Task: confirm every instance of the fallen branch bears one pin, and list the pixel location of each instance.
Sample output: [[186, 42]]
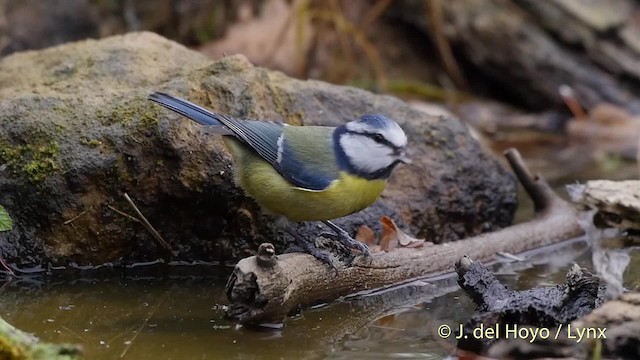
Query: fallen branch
[[260, 293]]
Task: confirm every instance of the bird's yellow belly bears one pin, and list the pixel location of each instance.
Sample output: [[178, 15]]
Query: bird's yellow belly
[[344, 196]]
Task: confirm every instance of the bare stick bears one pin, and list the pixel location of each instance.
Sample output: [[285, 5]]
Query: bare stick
[[130, 217], [75, 217], [148, 225]]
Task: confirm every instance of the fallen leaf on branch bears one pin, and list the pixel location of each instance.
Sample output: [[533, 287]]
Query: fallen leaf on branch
[[392, 237], [389, 238], [366, 236]]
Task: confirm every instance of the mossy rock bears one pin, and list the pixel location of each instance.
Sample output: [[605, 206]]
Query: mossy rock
[[77, 133]]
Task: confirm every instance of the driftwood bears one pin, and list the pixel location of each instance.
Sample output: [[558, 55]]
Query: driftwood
[[611, 331], [616, 208], [617, 203], [269, 293], [501, 311]]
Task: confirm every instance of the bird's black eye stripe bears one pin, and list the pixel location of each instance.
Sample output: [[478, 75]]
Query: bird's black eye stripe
[[379, 138]]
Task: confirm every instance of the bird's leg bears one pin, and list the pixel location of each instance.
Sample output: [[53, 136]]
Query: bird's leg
[[345, 239], [309, 247]]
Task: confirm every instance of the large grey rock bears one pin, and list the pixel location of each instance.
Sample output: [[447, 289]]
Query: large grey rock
[[76, 133]]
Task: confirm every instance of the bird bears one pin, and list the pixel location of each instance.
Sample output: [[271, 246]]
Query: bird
[[306, 173]]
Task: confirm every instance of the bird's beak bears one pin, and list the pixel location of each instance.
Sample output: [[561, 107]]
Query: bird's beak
[[403, 158]]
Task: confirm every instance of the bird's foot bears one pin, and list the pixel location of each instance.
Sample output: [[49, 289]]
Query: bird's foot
[[310, 248], [318, 254], [345, 239], [348, 242]]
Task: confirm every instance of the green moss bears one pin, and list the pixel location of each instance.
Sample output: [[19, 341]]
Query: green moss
[[149, 118], [137, 110], [90, 142], [15, 344], [89, 62], [122, 114], [100, 115], [121, 168], [34, 162], [435, 138], [65, 111]]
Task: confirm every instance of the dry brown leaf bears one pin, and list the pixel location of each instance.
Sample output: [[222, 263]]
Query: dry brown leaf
[[389, 238], [392, 236], [366, 236]]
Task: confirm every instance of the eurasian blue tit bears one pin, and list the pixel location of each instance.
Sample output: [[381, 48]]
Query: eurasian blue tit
[[307, 173]]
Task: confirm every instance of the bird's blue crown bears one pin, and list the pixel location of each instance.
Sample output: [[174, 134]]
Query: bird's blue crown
[[376, 121]]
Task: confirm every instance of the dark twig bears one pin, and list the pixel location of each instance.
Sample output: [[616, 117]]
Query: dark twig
[[148, 225], [540, 192]]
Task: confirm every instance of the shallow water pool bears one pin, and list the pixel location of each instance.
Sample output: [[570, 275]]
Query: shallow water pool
[[177, 313]]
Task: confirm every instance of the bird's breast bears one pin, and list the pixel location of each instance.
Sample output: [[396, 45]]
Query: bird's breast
[[345, 195]]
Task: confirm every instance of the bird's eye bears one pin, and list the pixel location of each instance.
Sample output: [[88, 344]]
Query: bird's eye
[[378, 137]]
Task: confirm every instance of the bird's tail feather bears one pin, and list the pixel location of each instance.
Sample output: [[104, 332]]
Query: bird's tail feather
[[185, 108]]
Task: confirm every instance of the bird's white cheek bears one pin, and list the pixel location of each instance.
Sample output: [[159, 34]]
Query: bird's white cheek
[[366, 154]]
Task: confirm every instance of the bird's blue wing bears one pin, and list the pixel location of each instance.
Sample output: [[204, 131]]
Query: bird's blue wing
[[296, 161], [301, 155], [306, 156], [261, 136]]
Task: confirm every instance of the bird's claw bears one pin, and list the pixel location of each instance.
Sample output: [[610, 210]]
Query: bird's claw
[[347, 241], [322, 256], [306, 246]]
